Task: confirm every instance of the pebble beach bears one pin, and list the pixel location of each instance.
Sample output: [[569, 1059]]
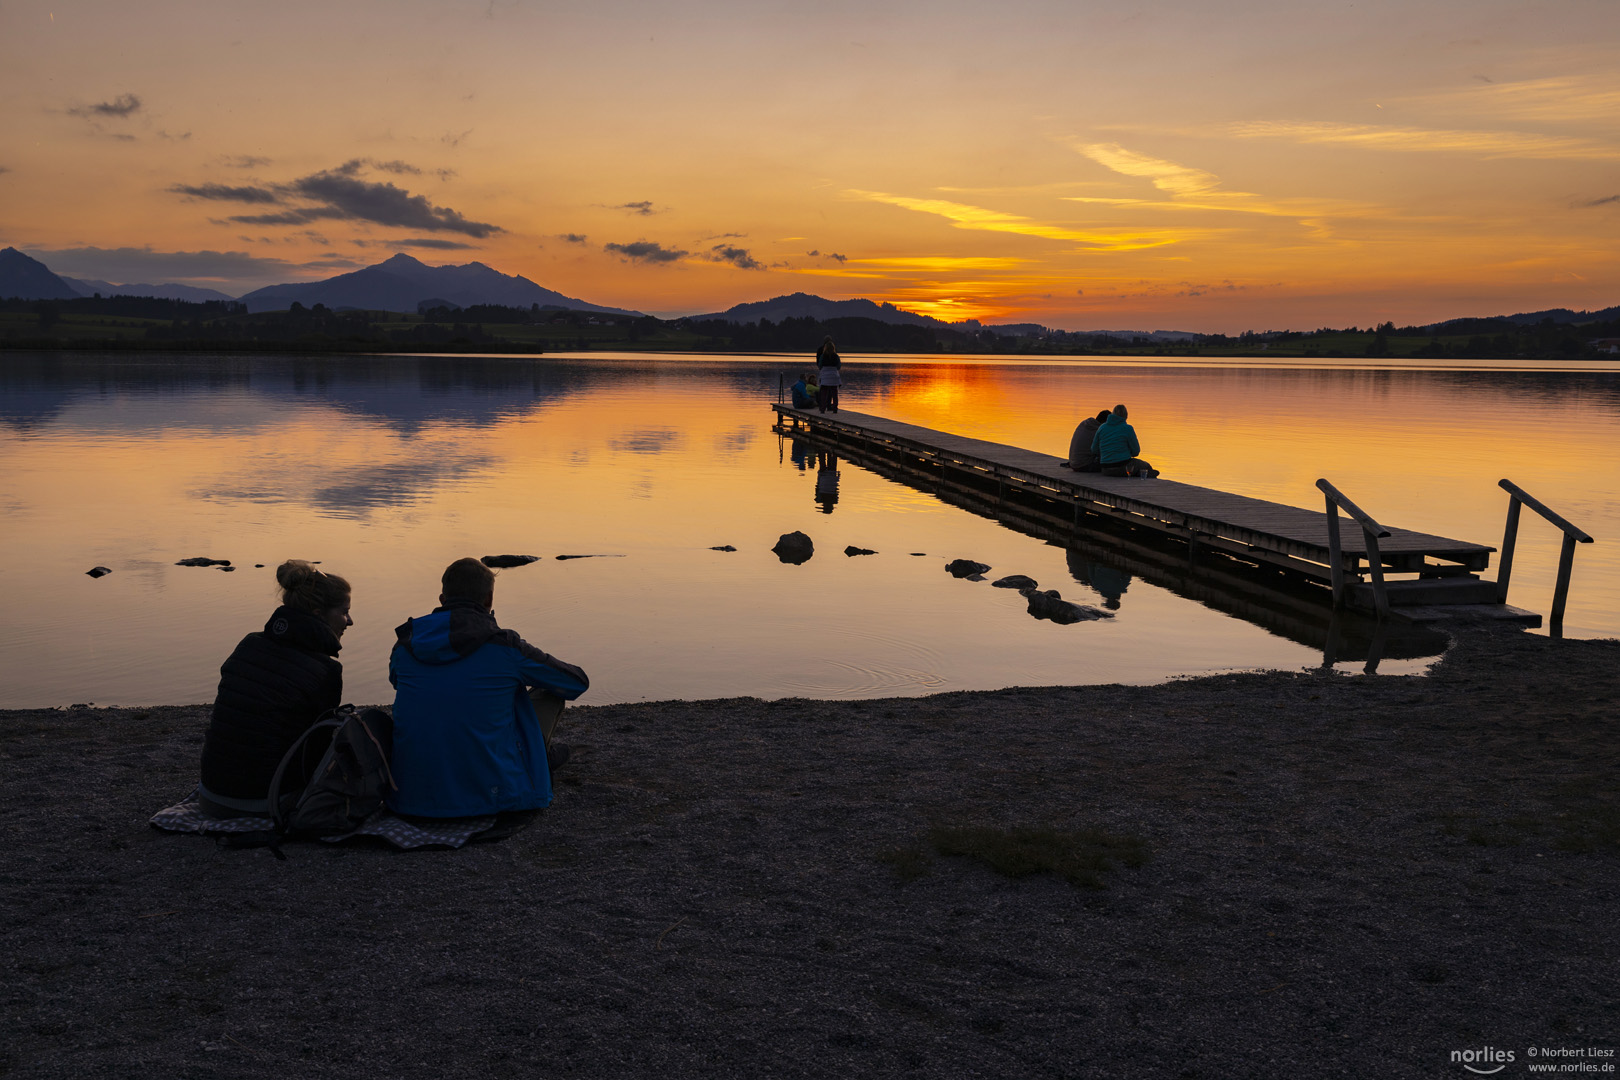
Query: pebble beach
[[1292, 874]]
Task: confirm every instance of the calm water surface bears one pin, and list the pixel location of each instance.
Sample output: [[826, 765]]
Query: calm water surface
[[386, 469]]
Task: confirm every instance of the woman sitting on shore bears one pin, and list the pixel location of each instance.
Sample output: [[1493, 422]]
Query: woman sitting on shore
[[272, 688]]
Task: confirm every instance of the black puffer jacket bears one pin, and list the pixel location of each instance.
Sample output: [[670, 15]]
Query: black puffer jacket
[[271, 689]]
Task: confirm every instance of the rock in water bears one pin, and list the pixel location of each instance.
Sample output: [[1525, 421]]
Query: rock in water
[[852, 551], [1051, 605], [1016, 581], [723, 547], [198, 560], [795, 548], [497, 562], [962, 568], [98, 571]]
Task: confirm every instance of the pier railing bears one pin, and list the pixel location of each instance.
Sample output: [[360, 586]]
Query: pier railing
[[1369, 529], [1517, 497]]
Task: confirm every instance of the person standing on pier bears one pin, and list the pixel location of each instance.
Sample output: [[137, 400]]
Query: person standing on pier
[[1116, 448], [831, 375]]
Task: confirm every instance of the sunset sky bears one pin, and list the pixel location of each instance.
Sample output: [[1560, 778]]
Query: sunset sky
[[1176, 165]]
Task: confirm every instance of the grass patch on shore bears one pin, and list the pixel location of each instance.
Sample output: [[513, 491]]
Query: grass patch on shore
[[1079, 856]]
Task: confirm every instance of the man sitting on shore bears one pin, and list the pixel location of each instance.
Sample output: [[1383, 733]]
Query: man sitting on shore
[[1116, 448], [474, 707]]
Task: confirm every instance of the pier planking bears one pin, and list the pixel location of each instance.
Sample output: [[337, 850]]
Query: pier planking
[[1288, 536]]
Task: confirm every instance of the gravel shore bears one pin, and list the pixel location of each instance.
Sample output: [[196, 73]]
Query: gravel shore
[[1344, 876]]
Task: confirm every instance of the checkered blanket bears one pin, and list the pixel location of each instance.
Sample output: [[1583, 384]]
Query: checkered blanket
[[186, 816]]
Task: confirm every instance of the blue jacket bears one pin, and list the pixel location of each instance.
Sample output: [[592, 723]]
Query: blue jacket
[[802, 398], [1115, 441], [466, 737]]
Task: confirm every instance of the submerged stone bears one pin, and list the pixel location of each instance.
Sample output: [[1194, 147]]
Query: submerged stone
[[98, 571], [497, 562], [852, 551], [1050, 605], [1016, 581], [200, 560], [965, 568], [794, 547]]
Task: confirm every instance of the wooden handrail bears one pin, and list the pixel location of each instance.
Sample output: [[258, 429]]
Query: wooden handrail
[[1535, 504], [1370, 531], [1361, 516], [1566, 557]]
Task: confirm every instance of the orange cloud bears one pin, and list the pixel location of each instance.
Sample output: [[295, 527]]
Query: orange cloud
[[974, 217], [1490, 144]]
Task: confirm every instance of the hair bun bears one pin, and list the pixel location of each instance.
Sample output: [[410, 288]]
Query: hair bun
[[293, 574]]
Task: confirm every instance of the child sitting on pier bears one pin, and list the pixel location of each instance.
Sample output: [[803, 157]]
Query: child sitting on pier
[[804, 392]]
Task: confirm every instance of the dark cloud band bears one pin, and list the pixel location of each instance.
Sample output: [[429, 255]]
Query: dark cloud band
[[646, 251], [119, 107], [342, 194]]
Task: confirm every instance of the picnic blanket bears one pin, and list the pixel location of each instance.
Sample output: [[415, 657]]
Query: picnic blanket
[[407, 834]]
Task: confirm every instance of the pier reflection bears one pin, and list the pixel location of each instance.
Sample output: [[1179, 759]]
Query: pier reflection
[[826, 481], [1107, 581], [1107, 557]]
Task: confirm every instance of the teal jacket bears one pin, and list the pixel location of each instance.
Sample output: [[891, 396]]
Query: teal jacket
[[1115, 441], [466, 737]]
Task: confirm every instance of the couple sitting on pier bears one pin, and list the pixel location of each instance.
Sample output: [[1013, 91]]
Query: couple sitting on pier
[[1106, 444], [474, 704]]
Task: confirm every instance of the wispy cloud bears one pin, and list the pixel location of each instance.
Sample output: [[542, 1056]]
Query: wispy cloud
[[226, 193], [640, 209], [572, 237], [119, 108], [939, 263], [964, 216], [430, 242], [1167, 176], [1190, 189], [1565, 99], [145, 264], [245, 161], [646, 251], [1605, 201], [1489, 144]]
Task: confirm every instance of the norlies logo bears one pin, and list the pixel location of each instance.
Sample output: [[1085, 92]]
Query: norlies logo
[[279, 626], [1487, 1056]]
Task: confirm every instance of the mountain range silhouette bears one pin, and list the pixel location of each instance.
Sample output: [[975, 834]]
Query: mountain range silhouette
[[401, 283]]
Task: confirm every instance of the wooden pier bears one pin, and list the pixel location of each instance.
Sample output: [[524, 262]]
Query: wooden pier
[[1426, 578]]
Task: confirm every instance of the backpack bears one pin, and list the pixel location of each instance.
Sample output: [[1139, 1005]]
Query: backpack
[[347, 783]]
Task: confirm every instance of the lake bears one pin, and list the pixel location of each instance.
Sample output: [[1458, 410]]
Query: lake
[[387, 468]]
